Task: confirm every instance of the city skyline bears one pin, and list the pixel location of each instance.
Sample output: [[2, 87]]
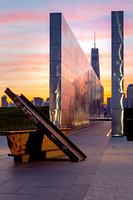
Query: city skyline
[[24, 41], [35, 100]]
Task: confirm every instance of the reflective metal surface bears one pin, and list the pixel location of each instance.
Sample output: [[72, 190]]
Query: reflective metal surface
[[117, 73], [76, 94]]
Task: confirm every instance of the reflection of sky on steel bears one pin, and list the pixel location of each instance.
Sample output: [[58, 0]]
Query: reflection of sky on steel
[[122, 112], [120, 34], [121, 84], [121, 66], [119, 29], [57, 116], [122, 123], [118, 22], [119, 52]]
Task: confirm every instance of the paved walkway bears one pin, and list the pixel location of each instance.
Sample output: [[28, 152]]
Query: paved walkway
[[114, 176], [106, 174]]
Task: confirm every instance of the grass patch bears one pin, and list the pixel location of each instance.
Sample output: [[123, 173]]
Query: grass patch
[[12, 119]]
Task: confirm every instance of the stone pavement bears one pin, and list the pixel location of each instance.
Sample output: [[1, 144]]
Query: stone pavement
[[114, 176], [105, 174]]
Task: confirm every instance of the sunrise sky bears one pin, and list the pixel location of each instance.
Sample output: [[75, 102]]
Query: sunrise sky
[[24, 40]]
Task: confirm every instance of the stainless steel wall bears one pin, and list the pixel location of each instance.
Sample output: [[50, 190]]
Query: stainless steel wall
[[76, 94], [117, 73]]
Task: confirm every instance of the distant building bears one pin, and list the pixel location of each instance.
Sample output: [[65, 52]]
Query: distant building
[[37, 101], [109, 102], [95, 59], [46, 103], [12, 104], [125, 103], [105, 109], [4, 102], [130, 96]]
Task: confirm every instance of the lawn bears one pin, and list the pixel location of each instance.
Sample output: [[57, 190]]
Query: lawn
[[12, 119]]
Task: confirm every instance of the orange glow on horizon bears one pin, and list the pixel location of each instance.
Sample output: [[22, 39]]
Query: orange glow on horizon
[[24, 42], [29, 94]]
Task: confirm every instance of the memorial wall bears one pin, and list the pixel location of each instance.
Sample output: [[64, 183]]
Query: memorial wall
[[76, 94], [117, 27]]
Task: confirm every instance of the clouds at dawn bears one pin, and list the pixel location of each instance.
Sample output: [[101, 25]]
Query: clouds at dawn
[[24, 40]]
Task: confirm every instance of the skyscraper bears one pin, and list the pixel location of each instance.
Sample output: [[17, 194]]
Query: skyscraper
[[130, 96], [117, 73], [4, 102], [95, 59], [37, 101], [109, 100]]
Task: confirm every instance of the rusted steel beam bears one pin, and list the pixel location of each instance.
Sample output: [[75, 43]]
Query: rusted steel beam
[[45, 126]]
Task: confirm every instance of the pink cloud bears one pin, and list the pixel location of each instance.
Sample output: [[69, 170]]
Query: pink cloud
[[32, 37], [128, 28], [105, 56], [23, 77], [93, 12], [128, 54], [23, 45], [35, 56], [25, 63], [100, 35], [28, 41], [23, 67], [23, 16], [28, 57], [96, 17]]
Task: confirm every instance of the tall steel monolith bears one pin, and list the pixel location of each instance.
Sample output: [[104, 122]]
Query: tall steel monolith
[[117, 72]]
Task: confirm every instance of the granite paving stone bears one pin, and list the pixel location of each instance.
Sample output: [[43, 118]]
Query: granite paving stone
[[17, 197], [113, 179], [76, 192], [42, 190], [48, 196]]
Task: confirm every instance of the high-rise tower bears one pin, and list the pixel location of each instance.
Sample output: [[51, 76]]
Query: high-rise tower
[[4, 102], [95, 58], [130, 96]]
